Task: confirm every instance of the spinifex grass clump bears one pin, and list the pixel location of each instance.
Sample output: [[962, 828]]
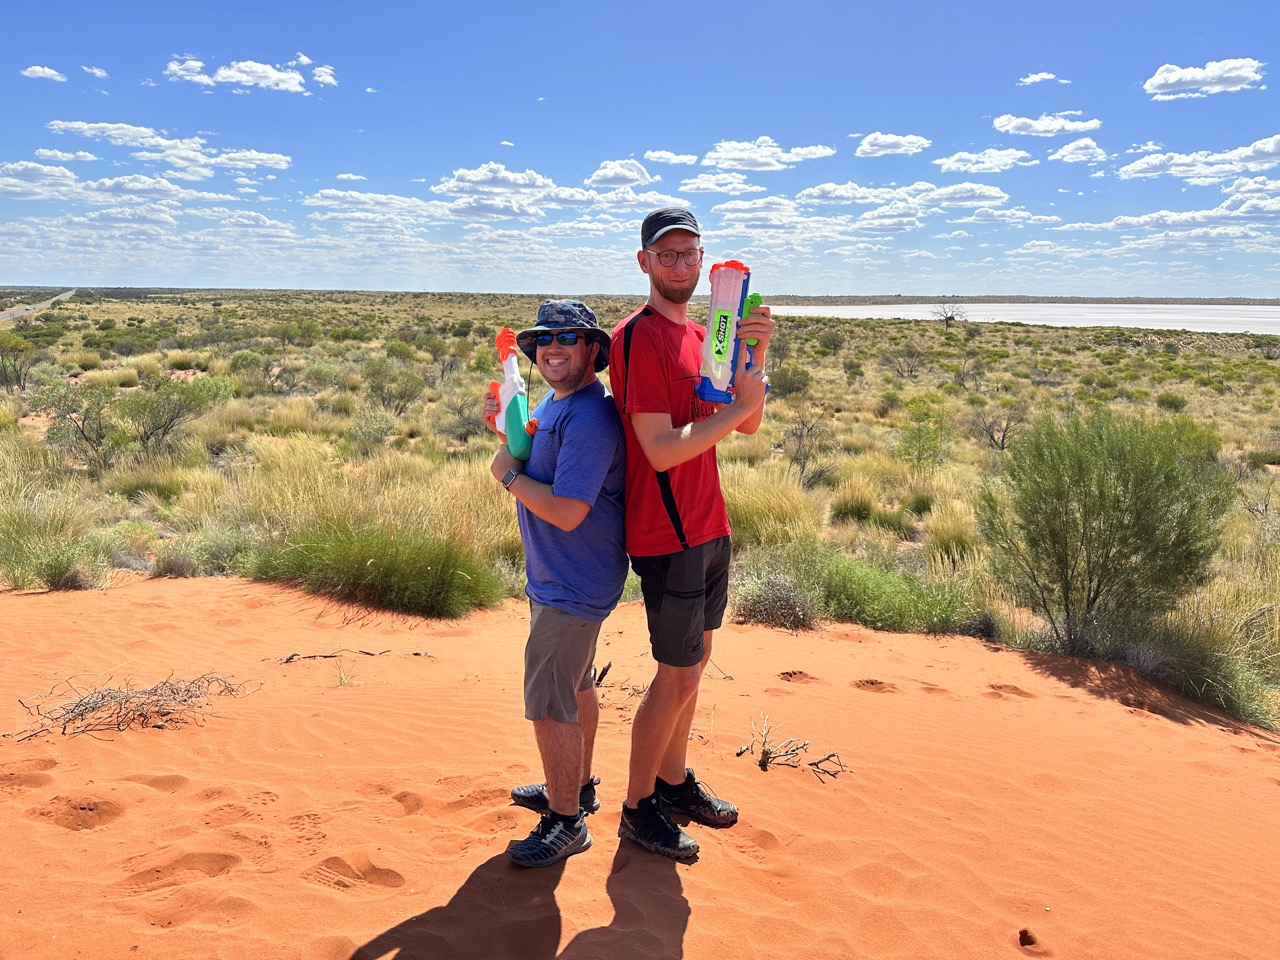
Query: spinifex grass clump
[[402, 570], [795, 585]]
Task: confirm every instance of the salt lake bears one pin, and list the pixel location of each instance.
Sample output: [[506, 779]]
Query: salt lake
[[1209, 318]]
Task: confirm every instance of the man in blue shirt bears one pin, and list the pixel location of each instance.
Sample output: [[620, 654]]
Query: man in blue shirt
[[571, 521]]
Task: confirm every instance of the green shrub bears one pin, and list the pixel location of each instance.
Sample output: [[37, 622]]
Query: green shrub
[[895, 521], [393, 569], [790, 380], [1101, 516]]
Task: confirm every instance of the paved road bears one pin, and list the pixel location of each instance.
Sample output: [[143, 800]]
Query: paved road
[[34, 307]]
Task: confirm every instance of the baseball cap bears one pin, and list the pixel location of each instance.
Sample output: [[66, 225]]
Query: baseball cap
[[665, 220]]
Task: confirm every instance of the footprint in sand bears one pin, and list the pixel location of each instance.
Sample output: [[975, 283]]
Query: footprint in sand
[[202, 906], [77, 813], [305, 834], [229, 813], [353, 873], [188, 868], [875, 686], [1003, 691], [797, 676], [25, 774], [936, 691], [165, 783]]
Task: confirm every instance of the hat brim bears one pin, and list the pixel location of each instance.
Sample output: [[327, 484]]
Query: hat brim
[[525, 341]]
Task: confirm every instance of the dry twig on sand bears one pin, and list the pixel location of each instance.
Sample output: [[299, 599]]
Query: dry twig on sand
[[787, 753], [168, 703]]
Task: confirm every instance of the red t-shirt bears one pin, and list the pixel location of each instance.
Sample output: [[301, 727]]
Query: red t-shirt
[[657, 374]]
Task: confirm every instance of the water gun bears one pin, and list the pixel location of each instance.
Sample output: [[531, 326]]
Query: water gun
[[730, 302], [513, 399]]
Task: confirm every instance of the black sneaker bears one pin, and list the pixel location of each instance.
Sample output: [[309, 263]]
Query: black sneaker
[[691, 799], [534, 796], [552, 840], [651, 827]]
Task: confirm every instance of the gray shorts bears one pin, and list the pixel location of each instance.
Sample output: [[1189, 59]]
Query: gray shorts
[[559, 661], [685, 594]]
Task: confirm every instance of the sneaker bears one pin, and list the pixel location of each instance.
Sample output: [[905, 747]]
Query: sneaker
[[552, 840], [534, 796], [651, 827], [691, 799]]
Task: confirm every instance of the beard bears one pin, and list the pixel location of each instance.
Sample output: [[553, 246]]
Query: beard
[[673, 293]]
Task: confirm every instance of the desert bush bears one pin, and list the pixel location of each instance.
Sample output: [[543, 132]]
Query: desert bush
[[84, 359], [17, 358], [370, 427], [47, 539], [895, 521], [951, 532], [1174, 402], [776, 599], [790, 380], [854, 500], [766, 504], [1100, 516]]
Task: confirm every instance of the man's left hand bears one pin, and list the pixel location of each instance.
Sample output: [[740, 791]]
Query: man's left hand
[[758, 324]]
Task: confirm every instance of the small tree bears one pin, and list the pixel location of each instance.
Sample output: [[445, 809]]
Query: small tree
[[948, 313], [1104, 520], [17, 356]]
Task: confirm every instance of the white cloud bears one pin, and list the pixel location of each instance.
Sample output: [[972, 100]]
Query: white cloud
[[1016, 215], [730, 183], [763, 153], [1253, 185], [370, 90], [189, 158], [240, 73], [324, 76], [491, 178], [1204, 166], [1149, 147], [302, 59], [95, 72], [1048, 124], [896, 217], [1172, 82], [1083, 150], [881, 144], [990, 160], [351, 176], [63, 156], [505, 143], [1039, 78], [666, 156], [963, 195], [43, 73], [620, 173]]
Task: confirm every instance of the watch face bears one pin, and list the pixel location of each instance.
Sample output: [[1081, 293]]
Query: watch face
[[509, 477]]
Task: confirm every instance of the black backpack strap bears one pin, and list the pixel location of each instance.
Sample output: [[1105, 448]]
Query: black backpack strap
[[664, 478]]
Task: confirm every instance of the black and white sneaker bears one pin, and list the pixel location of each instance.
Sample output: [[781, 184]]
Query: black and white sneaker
[[651, 827], [551, 841], [534, 796], [692, 799]]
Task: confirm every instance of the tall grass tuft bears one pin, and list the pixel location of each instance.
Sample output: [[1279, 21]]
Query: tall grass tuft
[[408, 571], [46, 539], [767, 504]]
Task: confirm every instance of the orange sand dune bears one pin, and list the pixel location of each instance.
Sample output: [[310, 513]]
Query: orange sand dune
[[356, 807]]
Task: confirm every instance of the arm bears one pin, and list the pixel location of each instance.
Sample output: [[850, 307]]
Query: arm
[[564, 512], [666, 446]]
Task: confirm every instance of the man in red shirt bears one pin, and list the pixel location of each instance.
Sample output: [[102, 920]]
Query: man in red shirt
[[677, 528]]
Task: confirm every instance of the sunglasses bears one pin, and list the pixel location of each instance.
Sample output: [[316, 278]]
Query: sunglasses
[[564, 339]]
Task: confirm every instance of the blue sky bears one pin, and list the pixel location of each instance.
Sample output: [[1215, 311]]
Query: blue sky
[[1125, 148]]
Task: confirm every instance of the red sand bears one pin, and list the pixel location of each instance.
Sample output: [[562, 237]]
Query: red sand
[[986, 792]]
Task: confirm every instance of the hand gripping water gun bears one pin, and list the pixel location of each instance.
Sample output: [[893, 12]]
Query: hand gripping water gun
[[729, 304], [513, 399]]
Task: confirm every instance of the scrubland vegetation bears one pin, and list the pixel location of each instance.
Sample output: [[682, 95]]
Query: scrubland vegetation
[[1092, 491]]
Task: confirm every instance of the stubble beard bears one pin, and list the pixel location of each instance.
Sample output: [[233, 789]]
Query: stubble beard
[[673, 294]]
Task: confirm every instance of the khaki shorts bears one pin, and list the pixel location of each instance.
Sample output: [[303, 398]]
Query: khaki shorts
[[559, 661]]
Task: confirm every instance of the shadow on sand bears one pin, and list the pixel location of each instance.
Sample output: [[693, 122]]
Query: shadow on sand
[[502, 912]]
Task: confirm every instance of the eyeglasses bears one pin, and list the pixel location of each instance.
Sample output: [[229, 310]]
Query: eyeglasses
[[564, 339], [668, 258]]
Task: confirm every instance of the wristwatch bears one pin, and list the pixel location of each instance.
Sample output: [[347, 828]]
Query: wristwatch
[[509, 477]]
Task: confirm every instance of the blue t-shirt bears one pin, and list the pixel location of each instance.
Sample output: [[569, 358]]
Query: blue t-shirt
[[579, 450]]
